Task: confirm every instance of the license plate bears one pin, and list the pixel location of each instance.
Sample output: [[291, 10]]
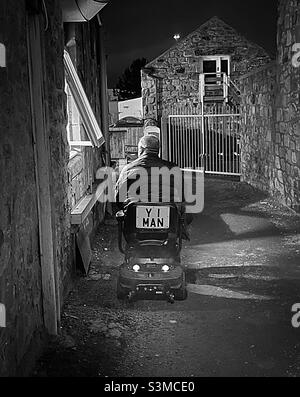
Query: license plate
[[152, 217], [151, 266]]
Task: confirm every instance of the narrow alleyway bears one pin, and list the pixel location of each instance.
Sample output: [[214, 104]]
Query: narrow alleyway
[[243, 270]]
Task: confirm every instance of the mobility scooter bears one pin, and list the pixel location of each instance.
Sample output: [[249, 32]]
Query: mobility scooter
[[153, 242]]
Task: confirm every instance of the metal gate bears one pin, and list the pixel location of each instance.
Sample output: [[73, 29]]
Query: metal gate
[[207, 137]]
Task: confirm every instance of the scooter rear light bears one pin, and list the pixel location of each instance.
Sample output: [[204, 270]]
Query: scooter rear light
[[136, 268]]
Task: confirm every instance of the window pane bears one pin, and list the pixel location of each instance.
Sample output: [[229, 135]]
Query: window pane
[[224, 66], [210, 66]]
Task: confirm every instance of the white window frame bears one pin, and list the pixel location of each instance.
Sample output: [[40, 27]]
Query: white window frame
[[89, 121], [76, 143], [217, 58]]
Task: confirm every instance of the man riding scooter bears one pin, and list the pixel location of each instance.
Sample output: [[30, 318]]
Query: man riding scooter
[[152, 254], [148, 159]]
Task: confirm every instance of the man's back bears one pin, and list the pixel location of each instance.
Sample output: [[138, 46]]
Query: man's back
[[150, 179], [158, 181], [149, 160]]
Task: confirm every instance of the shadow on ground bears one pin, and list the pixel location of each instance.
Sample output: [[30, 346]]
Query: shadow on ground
[[244, 247]]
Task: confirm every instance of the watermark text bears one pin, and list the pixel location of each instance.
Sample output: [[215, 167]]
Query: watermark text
[[296, 55], [296, 316], [153, 185], [2, 316]]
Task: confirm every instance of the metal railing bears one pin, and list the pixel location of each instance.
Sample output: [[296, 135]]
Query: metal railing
[[208, 139], [216, 86]]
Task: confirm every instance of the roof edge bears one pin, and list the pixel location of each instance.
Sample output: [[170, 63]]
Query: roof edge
[[216, 18]]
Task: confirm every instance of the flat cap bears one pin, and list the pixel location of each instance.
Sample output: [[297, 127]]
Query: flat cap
[[150, 143], [152, 130]]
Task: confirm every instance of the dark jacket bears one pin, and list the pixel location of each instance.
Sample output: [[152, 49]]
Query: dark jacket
[[149, 162]]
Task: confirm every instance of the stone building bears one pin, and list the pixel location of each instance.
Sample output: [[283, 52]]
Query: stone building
[[215, 52], [52, 131], [271, 126]]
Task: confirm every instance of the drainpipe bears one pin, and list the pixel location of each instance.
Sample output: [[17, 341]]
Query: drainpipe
[[158, 81], [103, 93]]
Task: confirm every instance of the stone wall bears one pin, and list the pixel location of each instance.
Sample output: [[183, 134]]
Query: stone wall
[[20, 274], [20, 268], [88, 68], [271, 117], [288, 105], [72, 179], [53, 45], [177, 70], [84, 52], [258, 133]]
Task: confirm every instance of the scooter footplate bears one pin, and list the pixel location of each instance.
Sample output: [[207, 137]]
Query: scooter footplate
[[157, 289]]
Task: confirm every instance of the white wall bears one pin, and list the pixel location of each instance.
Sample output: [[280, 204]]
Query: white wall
[[131, 107]]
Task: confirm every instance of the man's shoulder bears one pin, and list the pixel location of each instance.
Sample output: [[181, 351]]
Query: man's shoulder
[[168, 164], [149, 163]]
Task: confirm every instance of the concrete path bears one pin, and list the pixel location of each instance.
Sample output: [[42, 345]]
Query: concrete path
[[243, 272]]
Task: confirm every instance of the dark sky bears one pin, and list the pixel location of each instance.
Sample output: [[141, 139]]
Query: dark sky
[[145, 28]]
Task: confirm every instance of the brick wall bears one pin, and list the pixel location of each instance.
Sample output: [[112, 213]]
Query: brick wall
[[178, 68], [271, 117]]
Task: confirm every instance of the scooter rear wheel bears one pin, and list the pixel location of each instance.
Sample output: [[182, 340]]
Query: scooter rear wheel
[[121, 292], [181, 294]]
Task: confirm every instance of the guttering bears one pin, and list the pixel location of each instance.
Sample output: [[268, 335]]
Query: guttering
[[104, 93], [81, 10]]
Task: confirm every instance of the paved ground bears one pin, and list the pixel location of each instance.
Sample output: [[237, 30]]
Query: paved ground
[[243, 270]]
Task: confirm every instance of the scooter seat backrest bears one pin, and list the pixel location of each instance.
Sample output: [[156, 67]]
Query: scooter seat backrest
[[148, 221]]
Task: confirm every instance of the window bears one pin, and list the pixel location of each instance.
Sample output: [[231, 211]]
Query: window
[[75, 125], [216, 64], [225, 66], [209, 66], [83, 128], [77, 136]]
